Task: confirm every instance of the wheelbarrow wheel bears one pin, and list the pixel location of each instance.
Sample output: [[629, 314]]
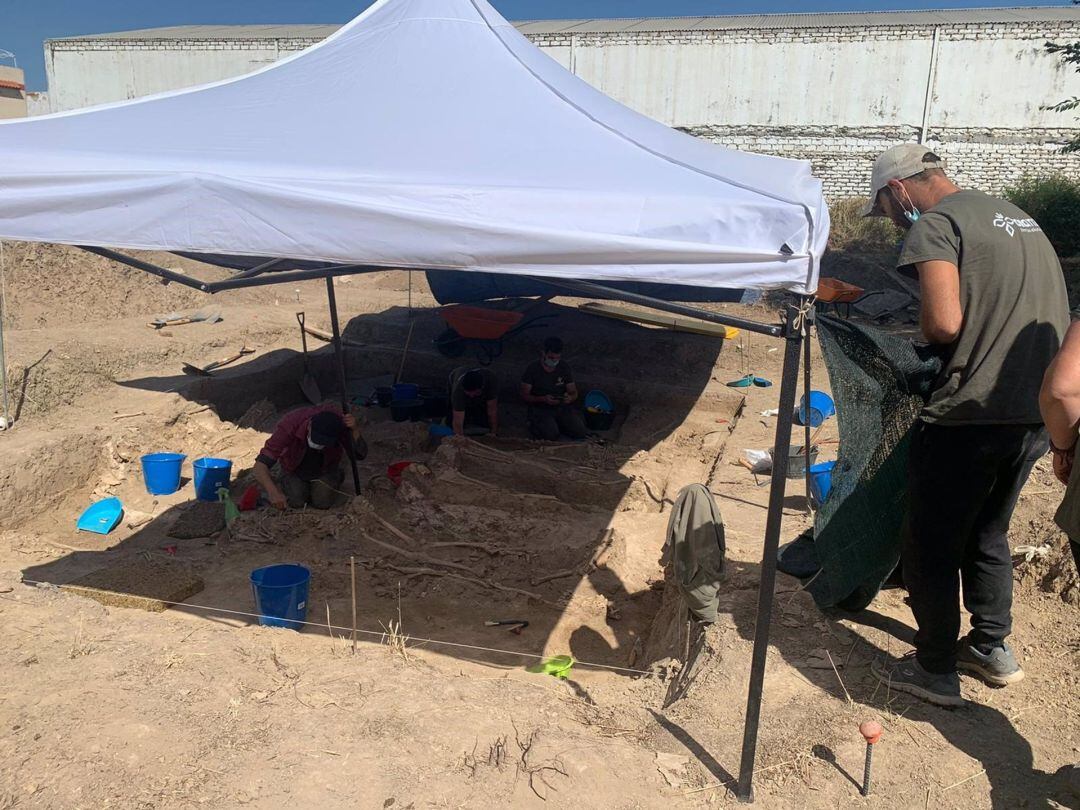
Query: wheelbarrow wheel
[[449, 343]]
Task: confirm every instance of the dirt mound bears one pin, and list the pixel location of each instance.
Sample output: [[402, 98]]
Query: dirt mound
[[1049, 567], [55, 285]]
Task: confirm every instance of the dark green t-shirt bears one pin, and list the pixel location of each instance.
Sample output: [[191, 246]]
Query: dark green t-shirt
[[1013, 297], [460, 401], [547, 383]]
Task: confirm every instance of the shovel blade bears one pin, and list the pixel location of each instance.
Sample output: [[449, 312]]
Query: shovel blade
[[310, 389]]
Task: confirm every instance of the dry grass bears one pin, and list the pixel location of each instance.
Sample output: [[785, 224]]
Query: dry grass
[[852, 232]]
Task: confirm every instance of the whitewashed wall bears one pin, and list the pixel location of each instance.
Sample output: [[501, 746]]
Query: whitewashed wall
[[835, 96]]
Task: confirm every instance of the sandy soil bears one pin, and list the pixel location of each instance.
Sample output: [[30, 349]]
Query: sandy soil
[[113, 706]]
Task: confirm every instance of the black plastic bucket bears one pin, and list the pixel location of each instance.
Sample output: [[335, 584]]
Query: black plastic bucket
[[797, 461], [599, 420], [384, 394], [403, 410], [435, 401]]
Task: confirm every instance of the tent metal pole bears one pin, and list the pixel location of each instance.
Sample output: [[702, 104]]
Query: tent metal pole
[[286, 277], [808, 322], [248, 278], [259, 269], [164, 274], [339, 356], [601, 291], [781, 449]]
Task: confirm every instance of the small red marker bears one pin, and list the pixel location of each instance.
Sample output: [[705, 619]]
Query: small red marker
[[871, 731]]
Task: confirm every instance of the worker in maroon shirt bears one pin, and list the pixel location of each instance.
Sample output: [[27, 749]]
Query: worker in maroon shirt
[[308, 443]]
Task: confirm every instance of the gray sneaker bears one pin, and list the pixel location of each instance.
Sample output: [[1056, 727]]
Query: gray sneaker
[[907, 675], [998, 667]]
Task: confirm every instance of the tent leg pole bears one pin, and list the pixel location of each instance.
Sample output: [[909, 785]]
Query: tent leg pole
[[3, 356], [806, 395], [339, 357], [781, 449]]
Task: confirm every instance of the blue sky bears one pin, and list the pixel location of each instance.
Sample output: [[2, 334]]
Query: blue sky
[[26, 24]]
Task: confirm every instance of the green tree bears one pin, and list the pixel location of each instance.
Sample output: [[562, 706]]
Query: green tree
[[1069, 53]]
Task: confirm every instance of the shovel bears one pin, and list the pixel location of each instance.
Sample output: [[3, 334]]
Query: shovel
[[176, 319], [308, 385], [204, 371]]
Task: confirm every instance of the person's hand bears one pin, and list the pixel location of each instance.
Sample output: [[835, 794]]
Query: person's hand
[[1063, 464], [550, 400], [350, 421], [277, 499]]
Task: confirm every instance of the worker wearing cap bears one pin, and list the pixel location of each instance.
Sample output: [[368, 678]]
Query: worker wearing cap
[[994, 301], [308, 444]]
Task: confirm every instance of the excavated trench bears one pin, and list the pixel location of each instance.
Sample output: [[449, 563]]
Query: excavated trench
[[565, 536]]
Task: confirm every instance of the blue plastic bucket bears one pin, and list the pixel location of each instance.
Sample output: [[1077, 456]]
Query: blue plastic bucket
[[161, 472], [405, 391], [281, 593], [211, 473], [821, 408], [821, 481]]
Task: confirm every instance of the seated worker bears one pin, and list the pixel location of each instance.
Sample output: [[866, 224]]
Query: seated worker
[[474, 401], [308, 443], [548, 387]]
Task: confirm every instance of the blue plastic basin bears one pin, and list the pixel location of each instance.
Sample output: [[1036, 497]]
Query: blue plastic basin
[[403, 391], [281, 593], [821, 408]]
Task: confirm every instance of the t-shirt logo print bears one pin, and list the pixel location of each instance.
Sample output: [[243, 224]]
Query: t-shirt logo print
[[1010, 225]]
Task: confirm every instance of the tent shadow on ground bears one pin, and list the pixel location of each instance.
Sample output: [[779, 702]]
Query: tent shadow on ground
[[982, 732], [656, 377]]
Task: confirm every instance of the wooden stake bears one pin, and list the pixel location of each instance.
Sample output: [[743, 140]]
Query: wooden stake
[[352, 566]]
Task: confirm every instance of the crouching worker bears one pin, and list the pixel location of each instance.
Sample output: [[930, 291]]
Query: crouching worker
[[474, 401], [549, 389], [308, 444]]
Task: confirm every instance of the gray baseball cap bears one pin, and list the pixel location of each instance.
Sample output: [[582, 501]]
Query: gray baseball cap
[[898, 163]]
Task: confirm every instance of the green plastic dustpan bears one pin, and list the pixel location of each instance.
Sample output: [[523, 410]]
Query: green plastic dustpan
[[558, 667]]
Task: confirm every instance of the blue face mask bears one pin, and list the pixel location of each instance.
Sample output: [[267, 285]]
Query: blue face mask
[[912, 216]]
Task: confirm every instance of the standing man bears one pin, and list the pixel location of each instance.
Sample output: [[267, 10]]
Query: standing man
[[308, 443], [994, 301], [548, 387], [1060, 401], [474, 401]]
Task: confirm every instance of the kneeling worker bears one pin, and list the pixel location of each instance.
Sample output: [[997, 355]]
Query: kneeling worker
[[474, 401], [549, 389], [308, 444]]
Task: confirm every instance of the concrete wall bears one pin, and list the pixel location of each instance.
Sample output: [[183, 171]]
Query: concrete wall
[[835, 96], [37, 104], [12, 93]]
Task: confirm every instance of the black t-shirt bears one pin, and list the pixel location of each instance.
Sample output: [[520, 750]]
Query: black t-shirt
[[489, 390], [547, 383]]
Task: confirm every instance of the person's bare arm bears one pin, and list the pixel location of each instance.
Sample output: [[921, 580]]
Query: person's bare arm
[[266, 481], [457, 422], [941, 317], [1059, 401], [493, 415]]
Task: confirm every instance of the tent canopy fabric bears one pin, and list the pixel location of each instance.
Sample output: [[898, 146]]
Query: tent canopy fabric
[[423, 134]]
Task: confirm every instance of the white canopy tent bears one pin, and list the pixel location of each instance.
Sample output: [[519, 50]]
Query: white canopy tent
[[423, 134], [429, 134]]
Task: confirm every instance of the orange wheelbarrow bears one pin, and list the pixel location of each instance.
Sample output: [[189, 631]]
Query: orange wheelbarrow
[[482, 330]]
